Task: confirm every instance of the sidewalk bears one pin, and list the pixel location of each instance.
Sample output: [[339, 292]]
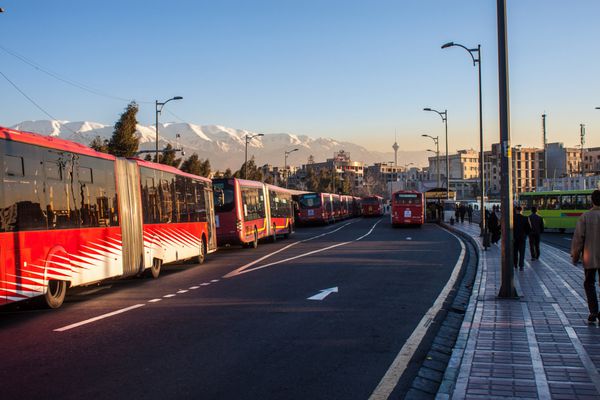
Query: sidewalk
[[539, 346]]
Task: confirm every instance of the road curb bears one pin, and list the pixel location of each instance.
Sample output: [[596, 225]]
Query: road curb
[[438, 374]]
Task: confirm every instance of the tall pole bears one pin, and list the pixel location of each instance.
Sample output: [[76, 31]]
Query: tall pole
[[156, 109], [481, 159], [447, 156], [246, 159], [582, 137], [507, 288], [437, 155], [545, 147]]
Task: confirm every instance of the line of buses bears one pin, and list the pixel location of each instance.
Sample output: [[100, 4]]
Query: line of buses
[[71, 216]]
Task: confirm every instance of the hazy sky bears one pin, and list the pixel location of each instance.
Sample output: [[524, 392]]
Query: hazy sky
[[351, 70]]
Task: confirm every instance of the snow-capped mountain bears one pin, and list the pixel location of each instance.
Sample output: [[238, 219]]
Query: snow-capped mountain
[[223, 146]]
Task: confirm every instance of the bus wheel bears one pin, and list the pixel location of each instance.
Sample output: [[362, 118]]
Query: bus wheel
[[254, 243], [202, 255], [156, 267], [55, 293]]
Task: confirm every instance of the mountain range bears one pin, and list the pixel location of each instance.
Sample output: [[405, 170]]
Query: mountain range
[[223, 146]]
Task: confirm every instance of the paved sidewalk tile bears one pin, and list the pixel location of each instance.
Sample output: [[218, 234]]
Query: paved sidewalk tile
[[539, 346]]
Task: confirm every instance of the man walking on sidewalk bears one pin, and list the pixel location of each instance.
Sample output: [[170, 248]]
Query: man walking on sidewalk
[[520, 231], [537, 227], [586, 242]]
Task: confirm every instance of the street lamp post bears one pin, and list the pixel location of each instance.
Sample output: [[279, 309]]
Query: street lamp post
[[444, 116], [481, 161], [248, 139], [158, 106], [437, 155], [285, 171]]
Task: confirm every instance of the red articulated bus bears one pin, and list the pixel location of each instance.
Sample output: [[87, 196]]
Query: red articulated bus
[[247, 211], [408, 208], [372, 206], [356, 208], [315, 208], [71, 216]]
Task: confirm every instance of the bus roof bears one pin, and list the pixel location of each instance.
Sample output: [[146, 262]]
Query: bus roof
[[167, 168], [51, 142]]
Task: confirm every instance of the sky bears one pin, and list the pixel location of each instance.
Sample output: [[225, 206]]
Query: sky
[[359, 71]]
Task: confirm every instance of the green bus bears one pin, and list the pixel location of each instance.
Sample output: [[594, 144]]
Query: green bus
[[560, 209]]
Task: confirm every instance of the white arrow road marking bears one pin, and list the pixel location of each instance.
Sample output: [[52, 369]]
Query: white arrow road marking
[[408, 238], [324, 293]]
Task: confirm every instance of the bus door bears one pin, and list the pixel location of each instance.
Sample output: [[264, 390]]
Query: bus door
[[210, 219], [130, 216]]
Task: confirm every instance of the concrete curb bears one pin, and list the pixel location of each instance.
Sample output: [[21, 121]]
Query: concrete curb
[[438, 374]]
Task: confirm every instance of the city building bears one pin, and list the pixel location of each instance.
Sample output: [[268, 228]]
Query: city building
[[563, 161]]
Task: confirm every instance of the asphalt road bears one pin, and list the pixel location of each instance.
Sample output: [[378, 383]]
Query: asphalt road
[[558, 240], [241, 325]]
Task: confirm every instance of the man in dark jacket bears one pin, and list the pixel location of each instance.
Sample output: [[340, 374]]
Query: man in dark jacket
[[537, 227], [521, 229]]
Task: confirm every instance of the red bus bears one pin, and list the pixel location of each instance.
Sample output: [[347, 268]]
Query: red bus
[[71, 216], [408, 208], [248, 211], [315, 208], [372, 206], [356, 208]]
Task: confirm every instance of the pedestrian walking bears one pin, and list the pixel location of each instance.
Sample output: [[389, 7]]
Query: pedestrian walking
[[470, 213], [462, 211], [493, 224], [536, 224], [457, 213], [521, 229], [586, 246]]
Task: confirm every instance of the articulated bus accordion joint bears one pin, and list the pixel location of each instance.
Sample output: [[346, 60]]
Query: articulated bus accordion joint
[[238, 225]]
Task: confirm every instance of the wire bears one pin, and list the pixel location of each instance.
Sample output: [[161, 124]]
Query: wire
[[66, 80], [27, 97], [175, 115]]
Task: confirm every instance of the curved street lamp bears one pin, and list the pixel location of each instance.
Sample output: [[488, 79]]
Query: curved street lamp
[[436, 140], [477, 61], [158, 106], [248, 139], [285, 168], [444, 116]]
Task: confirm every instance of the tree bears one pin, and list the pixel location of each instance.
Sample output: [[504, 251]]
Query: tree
[[311, 180], [124, 142], [168, 157], [347, 185], [205, 168], [148, 157], [324, 180], [227, 173], [252, 172], [193, 165], [99, 144]]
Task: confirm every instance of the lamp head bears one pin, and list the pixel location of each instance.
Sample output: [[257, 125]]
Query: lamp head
[[427, 109], [424, 135], [446, 45], [261, 134], [177, 98]]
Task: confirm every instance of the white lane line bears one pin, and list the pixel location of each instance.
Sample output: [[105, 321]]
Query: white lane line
[[87, 321], [154, 300], [393, 374], [169, 295], [569, 239], [214, 281], [246, 266], [304, 255], [182, 291], [205, 284], [194, 287]]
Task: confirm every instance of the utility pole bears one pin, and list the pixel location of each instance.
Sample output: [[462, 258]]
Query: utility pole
[[507, 288], [582, 137], [545, 146]]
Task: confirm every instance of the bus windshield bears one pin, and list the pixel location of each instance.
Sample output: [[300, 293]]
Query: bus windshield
[[407, 198], [312, 200], [223, 195]]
